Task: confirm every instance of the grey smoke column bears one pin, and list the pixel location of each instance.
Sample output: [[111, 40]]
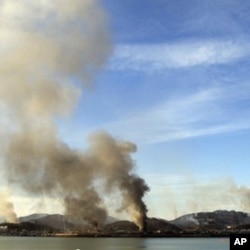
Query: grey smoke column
[[49, 46], [115, 164]]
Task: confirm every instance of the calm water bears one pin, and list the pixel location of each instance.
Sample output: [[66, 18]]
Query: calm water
[[39, 243]]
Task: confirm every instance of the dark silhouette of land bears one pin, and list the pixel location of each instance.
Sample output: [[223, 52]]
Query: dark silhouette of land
[[204, 224]]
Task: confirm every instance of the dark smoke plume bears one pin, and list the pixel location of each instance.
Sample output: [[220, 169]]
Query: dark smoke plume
[[47, 48]]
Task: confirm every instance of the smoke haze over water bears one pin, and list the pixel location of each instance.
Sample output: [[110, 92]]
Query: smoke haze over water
[[47, 47]]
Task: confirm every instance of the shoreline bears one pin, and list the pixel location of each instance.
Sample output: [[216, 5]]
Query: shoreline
[[112, 235]]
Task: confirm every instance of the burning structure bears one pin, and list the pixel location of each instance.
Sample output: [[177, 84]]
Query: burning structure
[[49, 47]]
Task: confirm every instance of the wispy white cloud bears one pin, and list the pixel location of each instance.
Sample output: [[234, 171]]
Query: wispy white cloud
[[155, 57], [203, 113]]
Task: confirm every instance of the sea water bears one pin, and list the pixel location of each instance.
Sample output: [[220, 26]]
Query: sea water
[[53, 243]]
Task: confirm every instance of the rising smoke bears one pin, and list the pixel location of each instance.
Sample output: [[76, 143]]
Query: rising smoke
[[6, 208], [49, 47]]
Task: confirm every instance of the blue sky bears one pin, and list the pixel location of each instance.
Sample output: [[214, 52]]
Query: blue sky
[[177, 84]]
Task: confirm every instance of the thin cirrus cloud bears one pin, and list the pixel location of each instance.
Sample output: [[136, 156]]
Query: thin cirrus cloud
[[154, 57], [202, 113], [206, 112]]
